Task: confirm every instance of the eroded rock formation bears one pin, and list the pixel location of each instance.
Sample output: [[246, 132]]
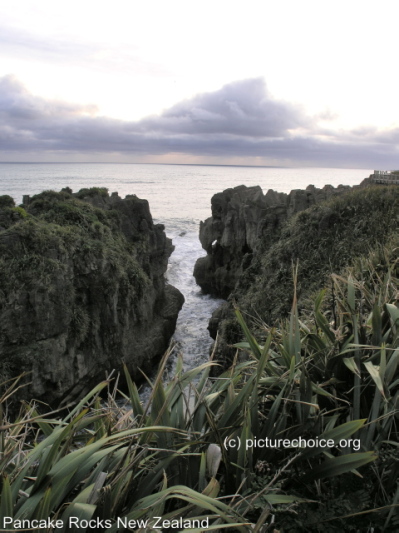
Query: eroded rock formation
[[82, 289], [255, 242], [243, 220]]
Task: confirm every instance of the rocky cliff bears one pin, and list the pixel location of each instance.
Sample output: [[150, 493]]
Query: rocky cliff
[[82, 289], [255, 241], [244, 221]]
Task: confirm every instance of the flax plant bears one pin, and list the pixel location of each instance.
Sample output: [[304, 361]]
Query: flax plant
[[330, 375], [86, 465]]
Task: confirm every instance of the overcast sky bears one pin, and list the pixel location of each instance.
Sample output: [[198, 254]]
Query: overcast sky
[[266, 83]]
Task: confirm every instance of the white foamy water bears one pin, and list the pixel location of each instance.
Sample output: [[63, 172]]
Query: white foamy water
[[179, 197], [191, 334]]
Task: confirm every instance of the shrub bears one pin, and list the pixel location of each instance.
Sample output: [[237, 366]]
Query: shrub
[[6, 201], [93, 191]]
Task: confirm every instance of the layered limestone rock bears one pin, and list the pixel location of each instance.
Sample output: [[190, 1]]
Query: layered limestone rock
[[256, 242], [82, 290], [243, 220]]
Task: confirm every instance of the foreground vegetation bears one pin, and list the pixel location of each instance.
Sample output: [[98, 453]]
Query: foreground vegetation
[[328, 374]]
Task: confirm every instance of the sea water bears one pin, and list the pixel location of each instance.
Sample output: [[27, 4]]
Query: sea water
[[179, 197]]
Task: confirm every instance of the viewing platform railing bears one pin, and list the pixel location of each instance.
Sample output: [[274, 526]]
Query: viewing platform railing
[[386, 177]]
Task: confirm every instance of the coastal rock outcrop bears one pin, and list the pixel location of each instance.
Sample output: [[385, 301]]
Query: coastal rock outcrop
[[257, 244], [243, 221], [82, 289]]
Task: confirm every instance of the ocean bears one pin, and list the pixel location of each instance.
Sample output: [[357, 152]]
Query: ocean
[[179, 197]]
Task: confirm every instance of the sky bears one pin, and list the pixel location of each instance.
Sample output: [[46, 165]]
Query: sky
[[258, 82]]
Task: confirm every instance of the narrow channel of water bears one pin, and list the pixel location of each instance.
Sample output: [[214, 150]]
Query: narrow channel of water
[[191, 333], [191, 337]]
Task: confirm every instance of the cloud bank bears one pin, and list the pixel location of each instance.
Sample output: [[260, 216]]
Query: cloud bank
[[241, 121]]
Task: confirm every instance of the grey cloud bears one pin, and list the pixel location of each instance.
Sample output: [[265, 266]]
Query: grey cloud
[[239, 120], [241, 108]]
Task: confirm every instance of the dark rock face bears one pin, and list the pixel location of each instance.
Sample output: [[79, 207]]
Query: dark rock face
[[228, 236], [243, 220], [254, 240], [82, 289]]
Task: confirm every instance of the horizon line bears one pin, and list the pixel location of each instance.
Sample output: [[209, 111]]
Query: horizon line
[[167, 164]]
